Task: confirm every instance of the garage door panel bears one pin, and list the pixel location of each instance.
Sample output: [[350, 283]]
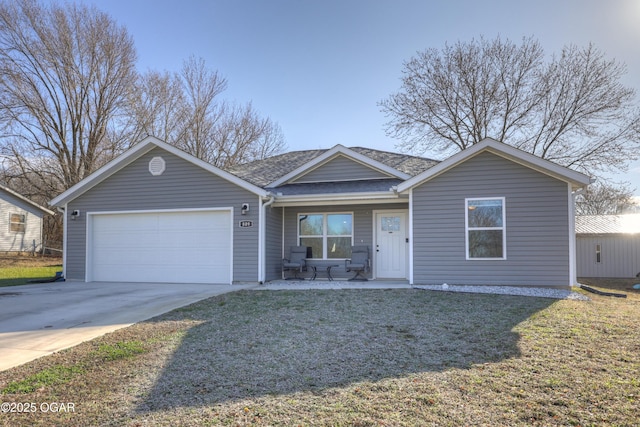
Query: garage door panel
[[203, 239], [162, 247], [119, 223], [110, 241], [162, 274]]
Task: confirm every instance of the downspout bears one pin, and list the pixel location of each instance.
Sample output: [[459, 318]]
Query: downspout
[[573, 267], [411, 236], [262, 259], [272, 199]]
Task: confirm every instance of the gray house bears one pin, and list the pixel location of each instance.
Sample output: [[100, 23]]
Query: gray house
[[20, 222], [491, 214], [608, 245]]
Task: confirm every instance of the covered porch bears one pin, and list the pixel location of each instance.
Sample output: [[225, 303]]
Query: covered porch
[[330, 230], [306, 284]]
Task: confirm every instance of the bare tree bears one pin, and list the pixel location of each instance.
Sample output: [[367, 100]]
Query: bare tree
[[157, 107], [201, 88], [605, 199], [185, 109], [242, 136], [571, 109], [65, 71]]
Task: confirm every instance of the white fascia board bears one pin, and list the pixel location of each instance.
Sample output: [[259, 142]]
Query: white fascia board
[[24, 199], [137, 151], [216, 171], [338, 199], [104, 172], [508, 152], [338, 149]]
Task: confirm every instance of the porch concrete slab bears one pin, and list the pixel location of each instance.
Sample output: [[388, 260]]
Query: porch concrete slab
[[333, 284], [37, 320]]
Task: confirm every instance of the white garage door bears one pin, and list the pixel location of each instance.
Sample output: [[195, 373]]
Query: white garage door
[[169, 247]]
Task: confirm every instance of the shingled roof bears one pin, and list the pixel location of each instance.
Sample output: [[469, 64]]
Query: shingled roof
[[264, 172]]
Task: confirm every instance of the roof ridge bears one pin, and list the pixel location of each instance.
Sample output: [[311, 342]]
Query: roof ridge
[[24, 198], [266, 171]]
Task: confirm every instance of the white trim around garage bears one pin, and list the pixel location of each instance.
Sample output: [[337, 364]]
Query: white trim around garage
[[89, 231]]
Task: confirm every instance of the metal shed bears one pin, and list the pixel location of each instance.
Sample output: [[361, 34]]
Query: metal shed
[[608, 245]]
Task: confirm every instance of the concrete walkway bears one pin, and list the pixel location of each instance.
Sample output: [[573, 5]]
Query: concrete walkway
[[36, 320], [333, 284]]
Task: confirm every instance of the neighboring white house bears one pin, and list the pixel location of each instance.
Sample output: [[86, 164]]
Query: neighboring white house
[[608, 245], [20, 222]]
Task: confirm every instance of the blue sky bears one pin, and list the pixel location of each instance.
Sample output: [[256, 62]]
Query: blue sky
[[319, 68]]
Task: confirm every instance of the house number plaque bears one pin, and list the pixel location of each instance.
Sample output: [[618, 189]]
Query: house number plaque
[[246, 224]]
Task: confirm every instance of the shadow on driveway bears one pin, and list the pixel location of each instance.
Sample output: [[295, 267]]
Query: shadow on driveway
[[39, 319], [257, 343]]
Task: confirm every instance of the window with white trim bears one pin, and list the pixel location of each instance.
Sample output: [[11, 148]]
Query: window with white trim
[[17, 223], [485, 228], [330, 235]]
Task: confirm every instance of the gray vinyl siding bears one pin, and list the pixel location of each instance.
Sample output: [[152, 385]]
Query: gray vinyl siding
[[19, 242], [362, 228], [537, 226], [273, 243], [182, 186], [619, 255], [340, 169]]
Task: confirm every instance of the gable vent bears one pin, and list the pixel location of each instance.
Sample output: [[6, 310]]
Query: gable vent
[[156, 166]]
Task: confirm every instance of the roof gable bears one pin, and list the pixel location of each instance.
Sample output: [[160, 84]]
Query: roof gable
[[297, 174], [340, 168], [138, 151], [20, 197], [577, 179], [266, 171]]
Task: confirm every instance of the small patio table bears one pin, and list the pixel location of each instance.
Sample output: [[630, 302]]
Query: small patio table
[[315, 265]]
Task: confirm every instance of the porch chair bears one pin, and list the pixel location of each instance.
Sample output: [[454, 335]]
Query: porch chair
[[359, 262], [296, 261]]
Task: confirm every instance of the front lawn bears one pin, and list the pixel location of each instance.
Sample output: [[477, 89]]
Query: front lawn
[[351, 357], [20, 270]]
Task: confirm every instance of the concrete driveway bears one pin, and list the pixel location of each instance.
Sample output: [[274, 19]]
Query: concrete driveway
[[36, 320]]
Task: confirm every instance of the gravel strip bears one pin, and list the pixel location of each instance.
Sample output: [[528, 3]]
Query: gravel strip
[[508, 290], [531, 291]]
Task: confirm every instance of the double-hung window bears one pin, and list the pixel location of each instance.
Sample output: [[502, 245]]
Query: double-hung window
[[17, 223], [485, 228], [330, 235]]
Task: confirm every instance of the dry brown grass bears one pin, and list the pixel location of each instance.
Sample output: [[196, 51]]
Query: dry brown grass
[[359, 357], [24, 260], [613, 285], [22, 269]]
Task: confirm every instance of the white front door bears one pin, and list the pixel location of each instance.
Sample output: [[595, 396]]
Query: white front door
[[391, 252]]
